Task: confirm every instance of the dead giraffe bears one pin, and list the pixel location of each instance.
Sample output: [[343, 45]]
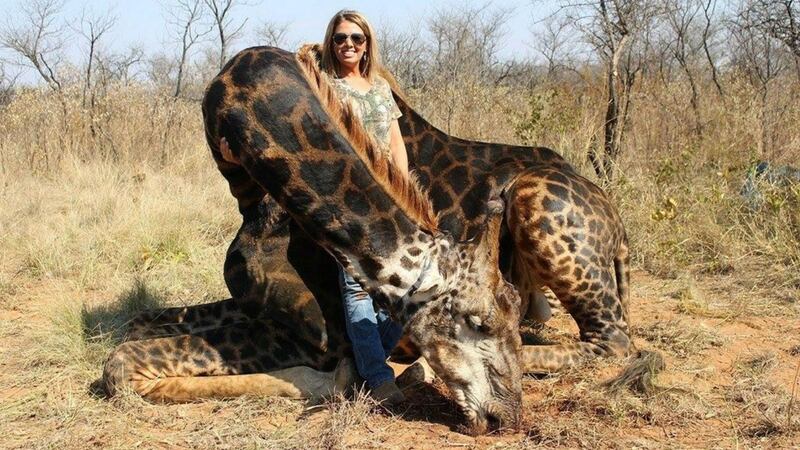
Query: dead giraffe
[[561, 232], [297, 143]]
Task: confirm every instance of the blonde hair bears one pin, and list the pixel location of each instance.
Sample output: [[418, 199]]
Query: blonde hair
[[369, 66]]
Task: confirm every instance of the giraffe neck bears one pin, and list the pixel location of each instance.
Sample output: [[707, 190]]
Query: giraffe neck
[[421, 136], [288, 144], [461, 175]]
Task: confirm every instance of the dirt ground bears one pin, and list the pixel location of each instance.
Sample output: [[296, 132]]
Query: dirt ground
[[732, 356]]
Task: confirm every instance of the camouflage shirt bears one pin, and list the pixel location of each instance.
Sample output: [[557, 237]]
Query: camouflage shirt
[[376, 108]]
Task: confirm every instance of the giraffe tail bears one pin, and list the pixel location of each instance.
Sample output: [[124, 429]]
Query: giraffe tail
[[622, 271], [645, 365], [639, 375]]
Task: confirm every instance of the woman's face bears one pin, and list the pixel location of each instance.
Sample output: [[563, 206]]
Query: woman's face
[[348, 52]]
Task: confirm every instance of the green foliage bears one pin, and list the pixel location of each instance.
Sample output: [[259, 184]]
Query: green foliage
[[666, 211]]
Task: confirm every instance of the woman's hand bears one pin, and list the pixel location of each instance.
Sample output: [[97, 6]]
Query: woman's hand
[[227, 154]]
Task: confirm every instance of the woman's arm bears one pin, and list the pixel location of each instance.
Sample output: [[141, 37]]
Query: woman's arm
[[398, 148]]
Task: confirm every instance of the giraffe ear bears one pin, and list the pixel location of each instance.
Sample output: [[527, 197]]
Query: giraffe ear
[[482, 251], [488, 242]]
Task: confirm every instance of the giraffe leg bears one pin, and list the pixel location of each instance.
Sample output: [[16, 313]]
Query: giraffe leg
[[259, 356], [187, 368], [568, 237], [603, 331], [184, 320]]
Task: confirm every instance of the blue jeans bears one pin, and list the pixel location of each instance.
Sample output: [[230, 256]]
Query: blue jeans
[[373, 335]]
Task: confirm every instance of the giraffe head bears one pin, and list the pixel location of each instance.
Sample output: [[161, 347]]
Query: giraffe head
[[469, 331]]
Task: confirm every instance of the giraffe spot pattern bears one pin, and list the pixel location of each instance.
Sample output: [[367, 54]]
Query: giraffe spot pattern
[[425, 148]]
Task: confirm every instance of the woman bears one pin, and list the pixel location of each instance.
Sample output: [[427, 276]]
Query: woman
[[350, 61]]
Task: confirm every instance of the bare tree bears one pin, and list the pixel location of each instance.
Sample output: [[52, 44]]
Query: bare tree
[[118, 66], [553, 43], [781, 20], [400, 51], [685, 47], [758, 56], [227, 29], [37, 38], [617, 24], [92, 27], [468, 39], [186, 17], [8, 82], [757, 53], [160, 69], [273, 34], [612, 27], [464, 50], [709, 7]]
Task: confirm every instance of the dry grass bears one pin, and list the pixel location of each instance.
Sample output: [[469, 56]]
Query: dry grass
[[95, 226], [694, 302], [49, 402], [590, 414], [771, 404], [639, 374], [341, 419], [680, 338]]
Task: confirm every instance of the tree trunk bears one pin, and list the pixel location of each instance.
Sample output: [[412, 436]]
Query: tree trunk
[[612, 132], [694, 100], [611, 120], [222, 48], [179, 80]]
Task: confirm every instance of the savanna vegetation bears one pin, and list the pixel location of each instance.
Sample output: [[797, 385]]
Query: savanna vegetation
[[111, 203]]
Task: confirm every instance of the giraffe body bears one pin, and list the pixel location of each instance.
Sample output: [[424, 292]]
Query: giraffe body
[[559, 230]]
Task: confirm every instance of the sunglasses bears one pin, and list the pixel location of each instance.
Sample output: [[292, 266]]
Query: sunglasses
[[357, 38]]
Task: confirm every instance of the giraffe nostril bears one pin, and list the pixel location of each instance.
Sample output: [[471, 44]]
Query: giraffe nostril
[[493, 422]]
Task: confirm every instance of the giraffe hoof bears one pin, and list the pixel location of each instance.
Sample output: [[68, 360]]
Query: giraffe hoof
[[345, 377], [415, 374]]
